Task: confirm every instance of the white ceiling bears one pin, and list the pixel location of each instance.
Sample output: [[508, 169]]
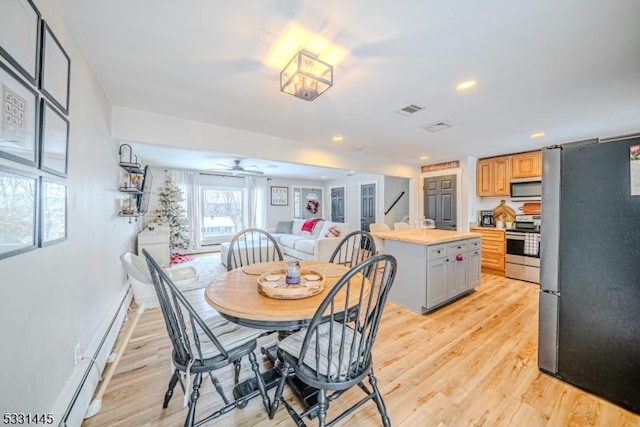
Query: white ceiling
[[569, 68]]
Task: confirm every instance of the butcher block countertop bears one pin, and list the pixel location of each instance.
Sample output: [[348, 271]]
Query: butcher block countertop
[[480, 229], [429, 236]]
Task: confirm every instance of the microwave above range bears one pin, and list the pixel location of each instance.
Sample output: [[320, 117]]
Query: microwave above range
[[526, 189]]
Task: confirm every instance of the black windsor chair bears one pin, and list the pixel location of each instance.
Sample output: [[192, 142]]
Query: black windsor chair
[[354, 248]]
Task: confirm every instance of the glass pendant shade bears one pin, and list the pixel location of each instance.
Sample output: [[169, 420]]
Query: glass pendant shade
[[306, 77]]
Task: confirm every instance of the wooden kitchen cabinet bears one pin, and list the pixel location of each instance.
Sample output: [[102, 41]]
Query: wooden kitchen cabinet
[[526, 165], [494, 247], [493, 176]]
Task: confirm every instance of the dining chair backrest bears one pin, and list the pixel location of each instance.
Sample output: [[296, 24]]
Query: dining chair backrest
[[184, 325], [401, 225], [201, 346], [354, 248], [336, 350], [378, 226], [251, 246]]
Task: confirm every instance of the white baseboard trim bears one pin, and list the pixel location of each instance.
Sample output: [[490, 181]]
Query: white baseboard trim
[[73, 401]]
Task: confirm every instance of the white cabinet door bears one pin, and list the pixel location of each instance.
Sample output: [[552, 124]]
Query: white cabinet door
[[436, 281]]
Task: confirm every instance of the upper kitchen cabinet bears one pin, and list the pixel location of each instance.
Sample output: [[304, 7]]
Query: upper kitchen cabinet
[[493, 176], [526, 165]]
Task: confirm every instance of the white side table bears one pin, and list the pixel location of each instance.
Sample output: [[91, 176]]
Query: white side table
[[156, 242]]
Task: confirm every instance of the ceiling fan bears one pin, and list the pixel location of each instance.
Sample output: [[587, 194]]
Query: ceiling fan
[[238, 170]]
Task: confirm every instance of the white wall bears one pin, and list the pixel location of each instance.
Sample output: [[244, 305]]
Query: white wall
[[276, 214], [393, 187], [351, 186], [57, 296]]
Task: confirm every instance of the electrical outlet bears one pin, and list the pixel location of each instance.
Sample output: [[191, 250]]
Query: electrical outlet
[[77, 355]]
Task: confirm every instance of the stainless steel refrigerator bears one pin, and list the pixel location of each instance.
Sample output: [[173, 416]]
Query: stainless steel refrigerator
[[589, 332]]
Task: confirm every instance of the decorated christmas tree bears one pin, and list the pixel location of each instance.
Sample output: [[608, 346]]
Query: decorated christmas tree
[[171, 212]]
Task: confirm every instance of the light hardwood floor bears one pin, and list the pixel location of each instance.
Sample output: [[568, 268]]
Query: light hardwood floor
[[471, 363]]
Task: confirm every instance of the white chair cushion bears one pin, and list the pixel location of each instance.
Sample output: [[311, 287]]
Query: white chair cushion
[[306, 245], [293, 344], [228, 333], [296, 228], [290, 239]]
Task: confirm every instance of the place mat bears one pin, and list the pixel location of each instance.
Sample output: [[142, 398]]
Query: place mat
[[273, 285], [263, 267], [331, 270]]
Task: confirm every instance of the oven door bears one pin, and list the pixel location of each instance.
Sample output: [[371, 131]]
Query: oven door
[[515, 243]]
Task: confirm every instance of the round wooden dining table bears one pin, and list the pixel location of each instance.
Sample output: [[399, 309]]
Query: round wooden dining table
[[235, 296]]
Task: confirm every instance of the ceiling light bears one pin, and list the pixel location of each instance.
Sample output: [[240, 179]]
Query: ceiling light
[[306, 77], [323, 177], [424, 157], [296, 37], [466, 85], [538, 135], [338, 138]]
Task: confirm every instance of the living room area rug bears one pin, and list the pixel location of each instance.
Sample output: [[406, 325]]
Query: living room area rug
[[207, 267]]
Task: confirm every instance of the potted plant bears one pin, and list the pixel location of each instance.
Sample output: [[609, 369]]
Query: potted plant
[[508, 221]]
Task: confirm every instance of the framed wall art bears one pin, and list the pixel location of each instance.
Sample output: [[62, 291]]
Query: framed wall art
[[54, 140], [18, 211], [55, 70], [20, 37], [279, 196], [53, 202], [18, 118]]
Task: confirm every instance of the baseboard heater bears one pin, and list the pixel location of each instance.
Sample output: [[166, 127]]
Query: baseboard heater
[[76, 396]]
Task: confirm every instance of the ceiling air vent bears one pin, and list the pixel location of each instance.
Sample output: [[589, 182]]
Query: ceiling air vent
[[437, 126], [409, 110]]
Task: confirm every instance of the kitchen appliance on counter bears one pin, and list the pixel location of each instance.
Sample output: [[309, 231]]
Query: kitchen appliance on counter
[[486, 219], [523, 249], [589, 332]]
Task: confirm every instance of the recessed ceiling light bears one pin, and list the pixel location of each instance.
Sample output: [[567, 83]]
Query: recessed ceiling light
[[424, 157], [538, 135], [466, 85], [338, 138], [323, 177]]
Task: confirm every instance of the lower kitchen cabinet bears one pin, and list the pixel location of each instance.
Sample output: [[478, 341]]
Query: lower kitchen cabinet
[[494, 247], [430, 276]]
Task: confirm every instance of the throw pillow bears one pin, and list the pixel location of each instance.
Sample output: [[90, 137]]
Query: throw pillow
[[284, 227], [333, 231]]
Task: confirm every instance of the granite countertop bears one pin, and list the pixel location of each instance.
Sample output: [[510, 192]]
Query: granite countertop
[[429, 236]]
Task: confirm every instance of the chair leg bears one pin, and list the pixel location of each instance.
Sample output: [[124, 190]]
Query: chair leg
[[260, 381], [323, 405], [237, 364], [192, 403], [378, 398], [219, 389], [172, 384], [277, 397]]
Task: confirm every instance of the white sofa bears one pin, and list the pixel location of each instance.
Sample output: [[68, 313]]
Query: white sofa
[[315, 246]]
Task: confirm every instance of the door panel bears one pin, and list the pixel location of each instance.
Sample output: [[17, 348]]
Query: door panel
[[367, 205], [440, 201], [337, 204]]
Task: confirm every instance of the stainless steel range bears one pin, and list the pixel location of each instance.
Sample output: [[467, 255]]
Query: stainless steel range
[[523, 249]]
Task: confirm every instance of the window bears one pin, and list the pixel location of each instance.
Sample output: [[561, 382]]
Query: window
[[222, 213]]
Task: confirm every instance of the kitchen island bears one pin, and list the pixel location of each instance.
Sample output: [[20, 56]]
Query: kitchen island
[[435, 267]]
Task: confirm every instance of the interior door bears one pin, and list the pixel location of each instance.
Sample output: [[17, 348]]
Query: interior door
[[440, 201], [337, 204], [367, 205]]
